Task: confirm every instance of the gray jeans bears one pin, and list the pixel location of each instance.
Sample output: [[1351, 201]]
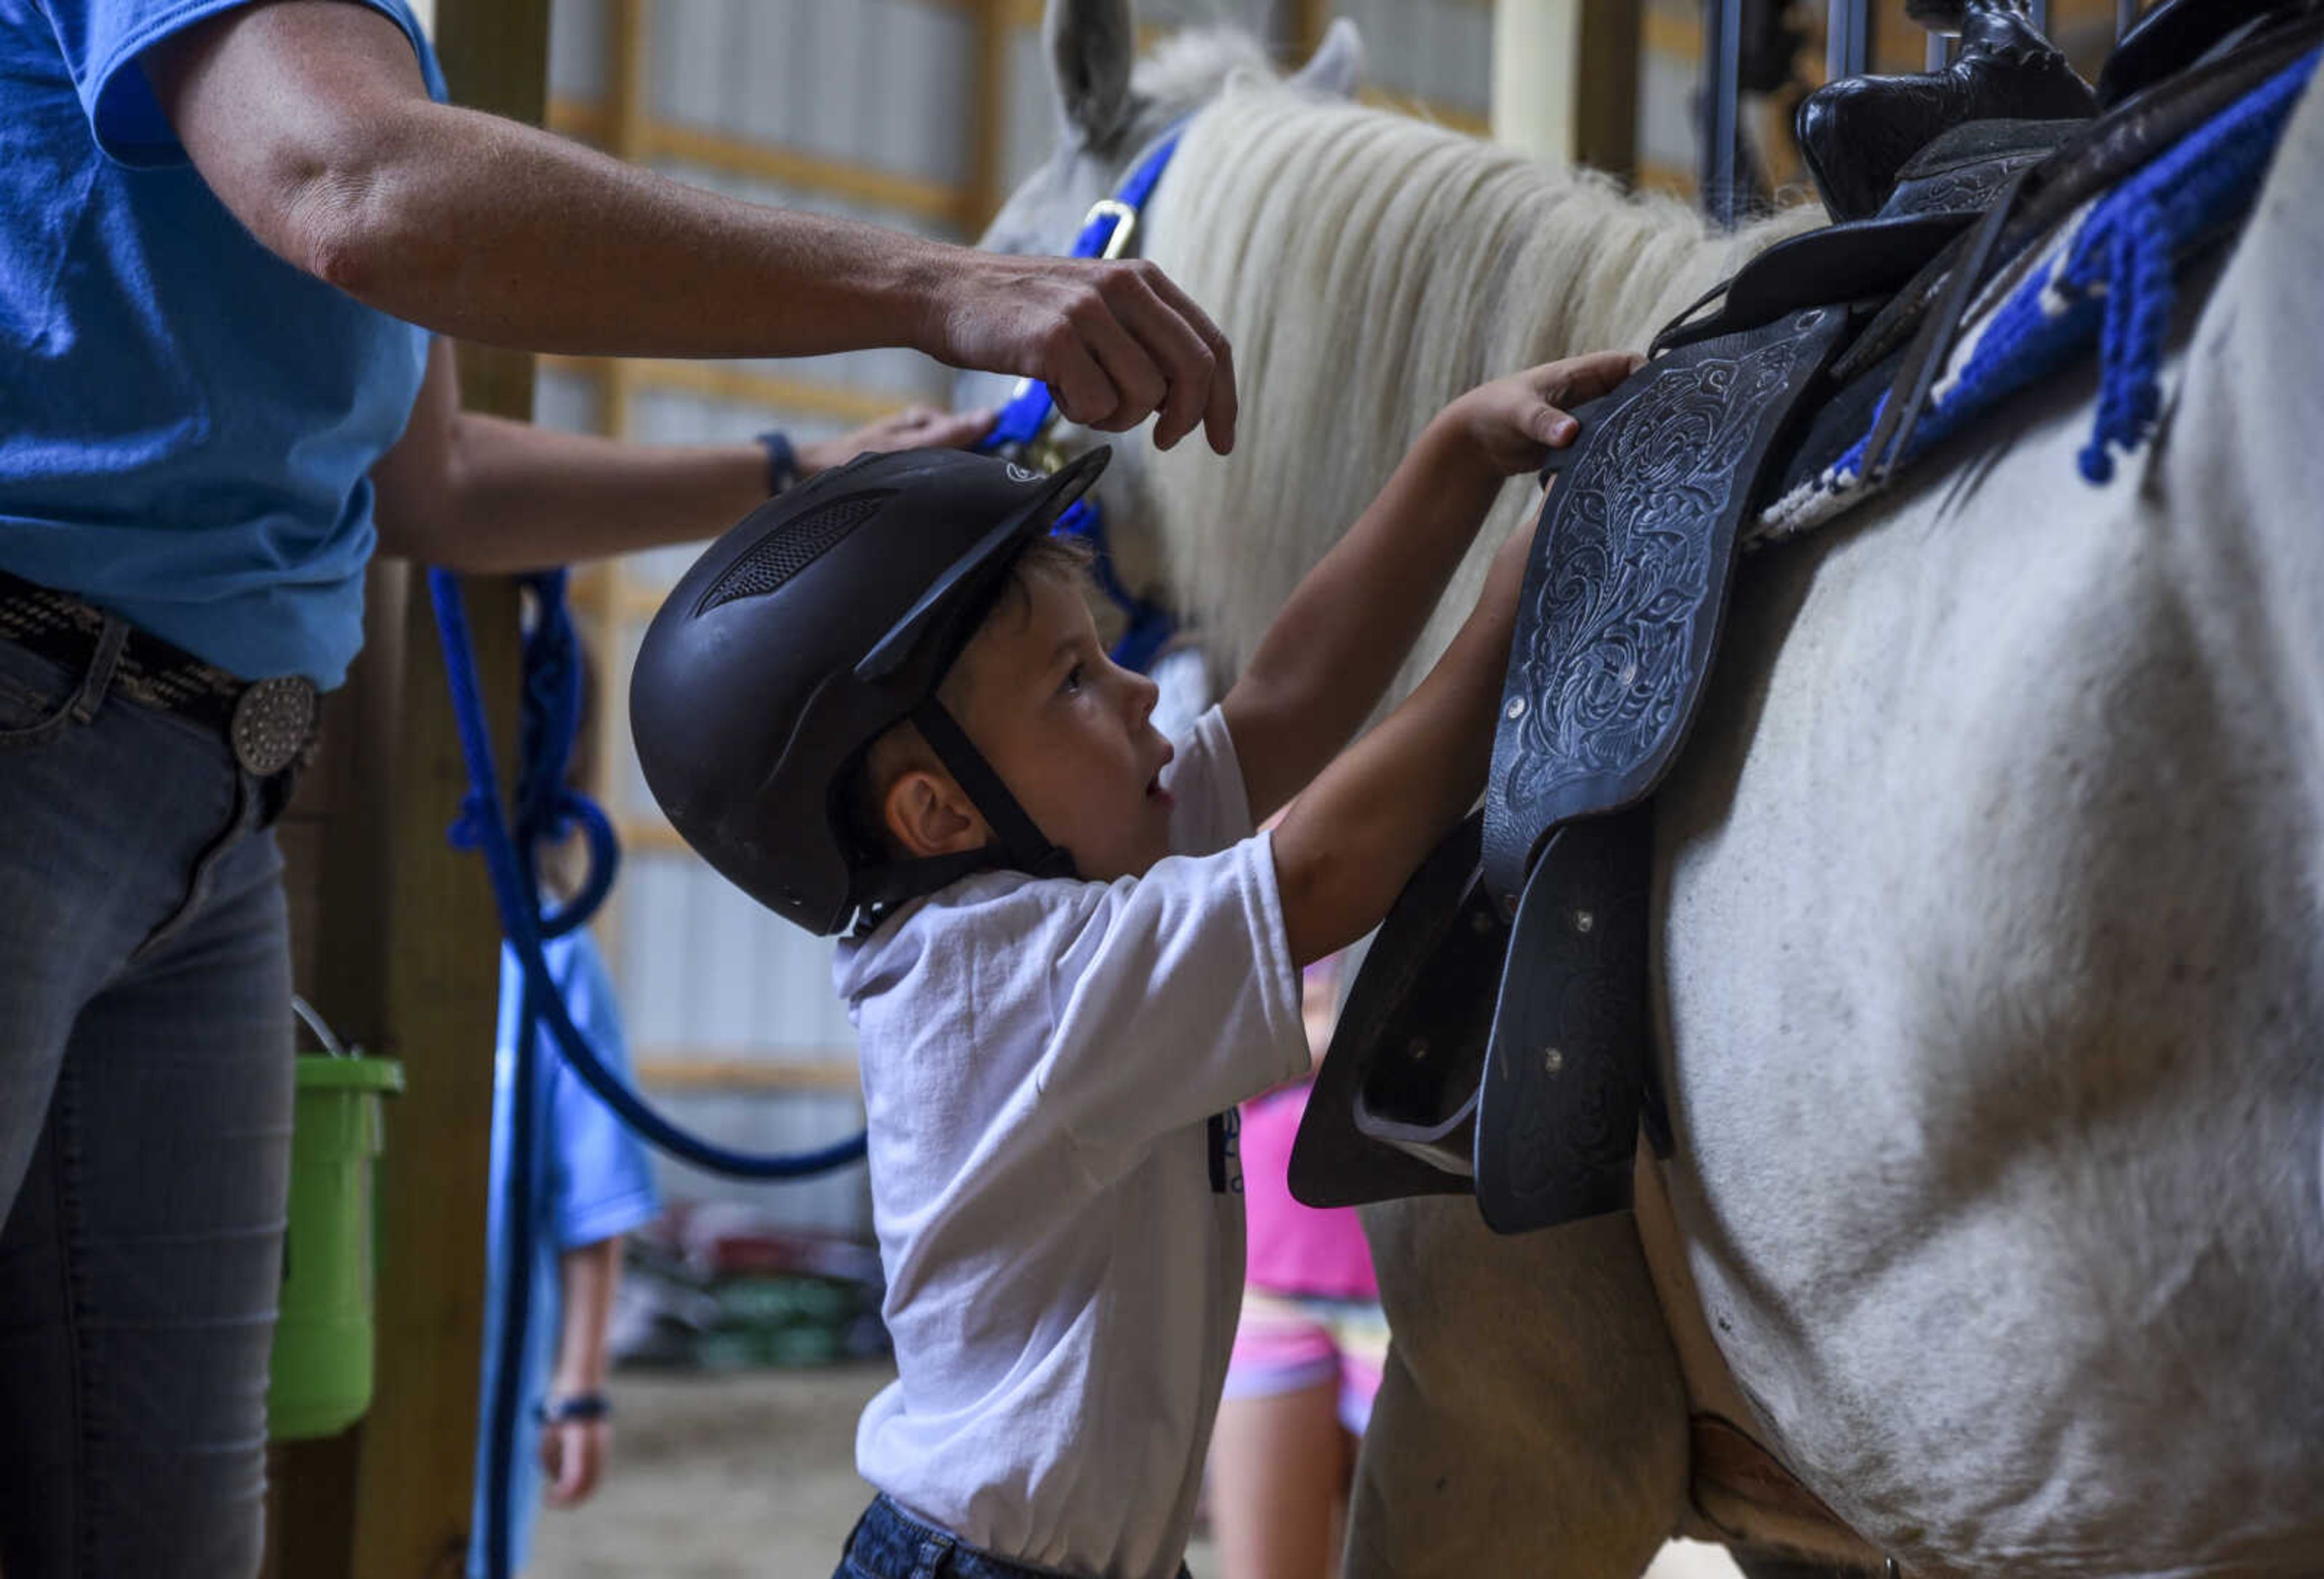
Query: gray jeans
[[144, 1136]]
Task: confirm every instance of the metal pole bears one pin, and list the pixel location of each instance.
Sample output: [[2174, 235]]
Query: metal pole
[[2041, 13], [1939, 52], [1722, 36], [2126, 12], [1847, 38]]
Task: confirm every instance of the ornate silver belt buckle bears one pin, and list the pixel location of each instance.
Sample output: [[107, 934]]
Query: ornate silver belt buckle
[[274, 721]]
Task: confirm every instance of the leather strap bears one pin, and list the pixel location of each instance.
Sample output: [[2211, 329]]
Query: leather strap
[[1019, 846], [1917, 374], [1027, 847]]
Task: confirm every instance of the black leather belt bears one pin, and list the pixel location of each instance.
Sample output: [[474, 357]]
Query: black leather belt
[[268, 723]]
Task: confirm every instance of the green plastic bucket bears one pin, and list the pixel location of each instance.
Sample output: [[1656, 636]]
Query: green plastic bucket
[[322, 1370]]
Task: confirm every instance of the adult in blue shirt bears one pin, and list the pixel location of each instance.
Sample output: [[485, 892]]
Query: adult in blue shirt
[[229, 232], [591, 1185]]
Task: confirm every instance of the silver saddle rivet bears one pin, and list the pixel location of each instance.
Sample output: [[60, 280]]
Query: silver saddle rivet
[[1516, 709], [1553, 1059], [1583, 921]]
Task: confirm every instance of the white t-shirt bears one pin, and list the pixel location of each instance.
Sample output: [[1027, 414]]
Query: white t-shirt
[[1050, 1070]]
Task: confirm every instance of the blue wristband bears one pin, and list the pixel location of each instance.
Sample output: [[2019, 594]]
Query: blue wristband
[[577, 1406], [782, 461]]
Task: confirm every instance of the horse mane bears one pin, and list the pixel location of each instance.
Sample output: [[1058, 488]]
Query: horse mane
[[1367, 267], [1186, 67]]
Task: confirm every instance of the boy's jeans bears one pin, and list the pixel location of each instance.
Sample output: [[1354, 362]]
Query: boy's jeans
[[146, 1090], [890, 1543]]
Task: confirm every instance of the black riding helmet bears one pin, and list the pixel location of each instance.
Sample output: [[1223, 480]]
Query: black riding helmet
[[827, 615]]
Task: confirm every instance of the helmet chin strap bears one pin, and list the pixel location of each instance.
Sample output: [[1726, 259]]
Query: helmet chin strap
[[1024, 846], [1020, 847]]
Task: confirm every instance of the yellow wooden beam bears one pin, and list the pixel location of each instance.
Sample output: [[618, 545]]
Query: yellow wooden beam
[[649, 834], [640, 138], [1677, 180], [1679, 38], [635, 601], [722, 380], [832, 1069], [1308, 19], [988, 92], [584, 120], [789, 166], [1454, 116], [1605, 87], [629, 30]]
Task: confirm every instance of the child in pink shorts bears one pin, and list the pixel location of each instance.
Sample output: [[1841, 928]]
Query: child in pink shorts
[[1307, 1355]]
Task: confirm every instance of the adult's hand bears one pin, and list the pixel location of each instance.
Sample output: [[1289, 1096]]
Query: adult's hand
[[914, 428], [1115, 342]]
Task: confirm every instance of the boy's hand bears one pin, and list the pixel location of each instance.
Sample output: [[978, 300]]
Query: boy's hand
[[1512, 424]]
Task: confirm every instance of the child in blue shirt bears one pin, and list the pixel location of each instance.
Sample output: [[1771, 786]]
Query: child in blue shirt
[[592, 1183]]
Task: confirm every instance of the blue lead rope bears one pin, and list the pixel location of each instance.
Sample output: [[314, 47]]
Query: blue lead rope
[[547, 809], [482, 826], [1148, 625]]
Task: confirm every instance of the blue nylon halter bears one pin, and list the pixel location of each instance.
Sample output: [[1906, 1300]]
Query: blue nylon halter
[[1032, 409]]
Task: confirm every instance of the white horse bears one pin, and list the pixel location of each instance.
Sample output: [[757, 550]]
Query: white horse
[[1989, 915]]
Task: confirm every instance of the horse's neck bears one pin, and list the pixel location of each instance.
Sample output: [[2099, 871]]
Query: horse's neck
[[1368, 269]]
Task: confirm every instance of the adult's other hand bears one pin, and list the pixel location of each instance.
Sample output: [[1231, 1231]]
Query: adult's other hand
[[914, 428]]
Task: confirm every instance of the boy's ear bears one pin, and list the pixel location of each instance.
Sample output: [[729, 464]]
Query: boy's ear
[[930, 815]]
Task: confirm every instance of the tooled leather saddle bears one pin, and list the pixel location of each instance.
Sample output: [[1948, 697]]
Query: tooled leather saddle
[[1496, 1040]]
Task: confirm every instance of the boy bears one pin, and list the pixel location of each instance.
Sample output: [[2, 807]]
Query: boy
[[883, 697]]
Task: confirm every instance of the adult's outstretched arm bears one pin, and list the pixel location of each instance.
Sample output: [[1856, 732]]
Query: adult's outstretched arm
[[479, 493], [311, 121]]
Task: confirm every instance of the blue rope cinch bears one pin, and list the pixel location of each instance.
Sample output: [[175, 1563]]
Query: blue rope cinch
[[1148, 626], [2115, 283], [547, 809]]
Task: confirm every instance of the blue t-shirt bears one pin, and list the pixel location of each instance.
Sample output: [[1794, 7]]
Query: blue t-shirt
[[592, 1182], [185, 420]]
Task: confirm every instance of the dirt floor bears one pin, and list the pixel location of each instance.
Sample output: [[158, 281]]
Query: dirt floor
[[751, 1476]]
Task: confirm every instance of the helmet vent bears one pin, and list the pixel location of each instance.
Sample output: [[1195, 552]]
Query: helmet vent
[[783, 554]]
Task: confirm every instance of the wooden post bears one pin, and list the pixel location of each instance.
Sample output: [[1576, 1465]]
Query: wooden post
[[629, 30], [1565, 80], [337, 852], [1606, 88], [398, 946], [415, 1489], [988, 96], [1304, 22]]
